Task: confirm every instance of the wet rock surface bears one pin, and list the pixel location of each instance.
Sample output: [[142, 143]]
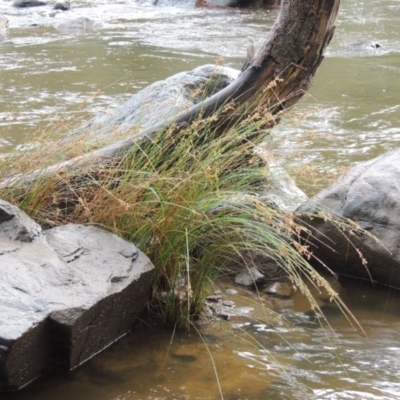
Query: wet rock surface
[[250, 278], [368, 194], [279, 289], [66, 294]]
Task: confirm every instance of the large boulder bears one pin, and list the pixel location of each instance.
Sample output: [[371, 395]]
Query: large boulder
[[65, 294], [163, 100], [369, 194]]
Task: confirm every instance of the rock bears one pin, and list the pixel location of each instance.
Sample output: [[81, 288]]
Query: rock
[[334, 283], [250, 278], [215, 298], [223, 313], [28, 3], [77, 25], [66, 294], [16, 225], [63, 5], [228, 303], [363, 48], [279, 289], [280, 190], [164, 99], [374, 45], [368, 194]]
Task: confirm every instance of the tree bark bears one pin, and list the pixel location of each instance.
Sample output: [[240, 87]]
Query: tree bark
[[277, 76]]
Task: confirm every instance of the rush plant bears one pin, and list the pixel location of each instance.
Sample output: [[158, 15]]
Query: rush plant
[[189, 198]]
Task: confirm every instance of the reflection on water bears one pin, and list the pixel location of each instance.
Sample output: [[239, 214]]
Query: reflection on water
[[351, 114]]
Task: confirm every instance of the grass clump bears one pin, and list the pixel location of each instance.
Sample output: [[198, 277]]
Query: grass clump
[[187, 197]]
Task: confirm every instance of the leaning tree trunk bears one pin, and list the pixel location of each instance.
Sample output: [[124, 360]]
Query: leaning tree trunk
[[274, 79]]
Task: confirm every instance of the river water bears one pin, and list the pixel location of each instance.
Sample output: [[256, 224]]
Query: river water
[[351, 114]]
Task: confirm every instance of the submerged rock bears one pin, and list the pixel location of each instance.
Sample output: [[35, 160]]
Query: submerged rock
[[65, 294], [28, 3], [369, 194]]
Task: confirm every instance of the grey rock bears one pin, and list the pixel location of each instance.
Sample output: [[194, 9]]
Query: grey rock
[[63, 5], [28, 3], [223, 312], [279, 289], [64, 296], [363, 48], [78, 25], [270, 269], [162, 100], [228, 303], [214, 298], [369, 194], [250, 278], [16, 225], [281, 192]]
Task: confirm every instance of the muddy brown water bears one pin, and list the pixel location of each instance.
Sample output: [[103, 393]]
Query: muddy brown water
[[351, 114]]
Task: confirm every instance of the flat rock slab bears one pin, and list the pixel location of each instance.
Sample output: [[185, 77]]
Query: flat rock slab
[[65, 295], [368, 194]]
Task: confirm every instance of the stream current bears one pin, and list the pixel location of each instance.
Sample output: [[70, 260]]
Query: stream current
[[351, 114]]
